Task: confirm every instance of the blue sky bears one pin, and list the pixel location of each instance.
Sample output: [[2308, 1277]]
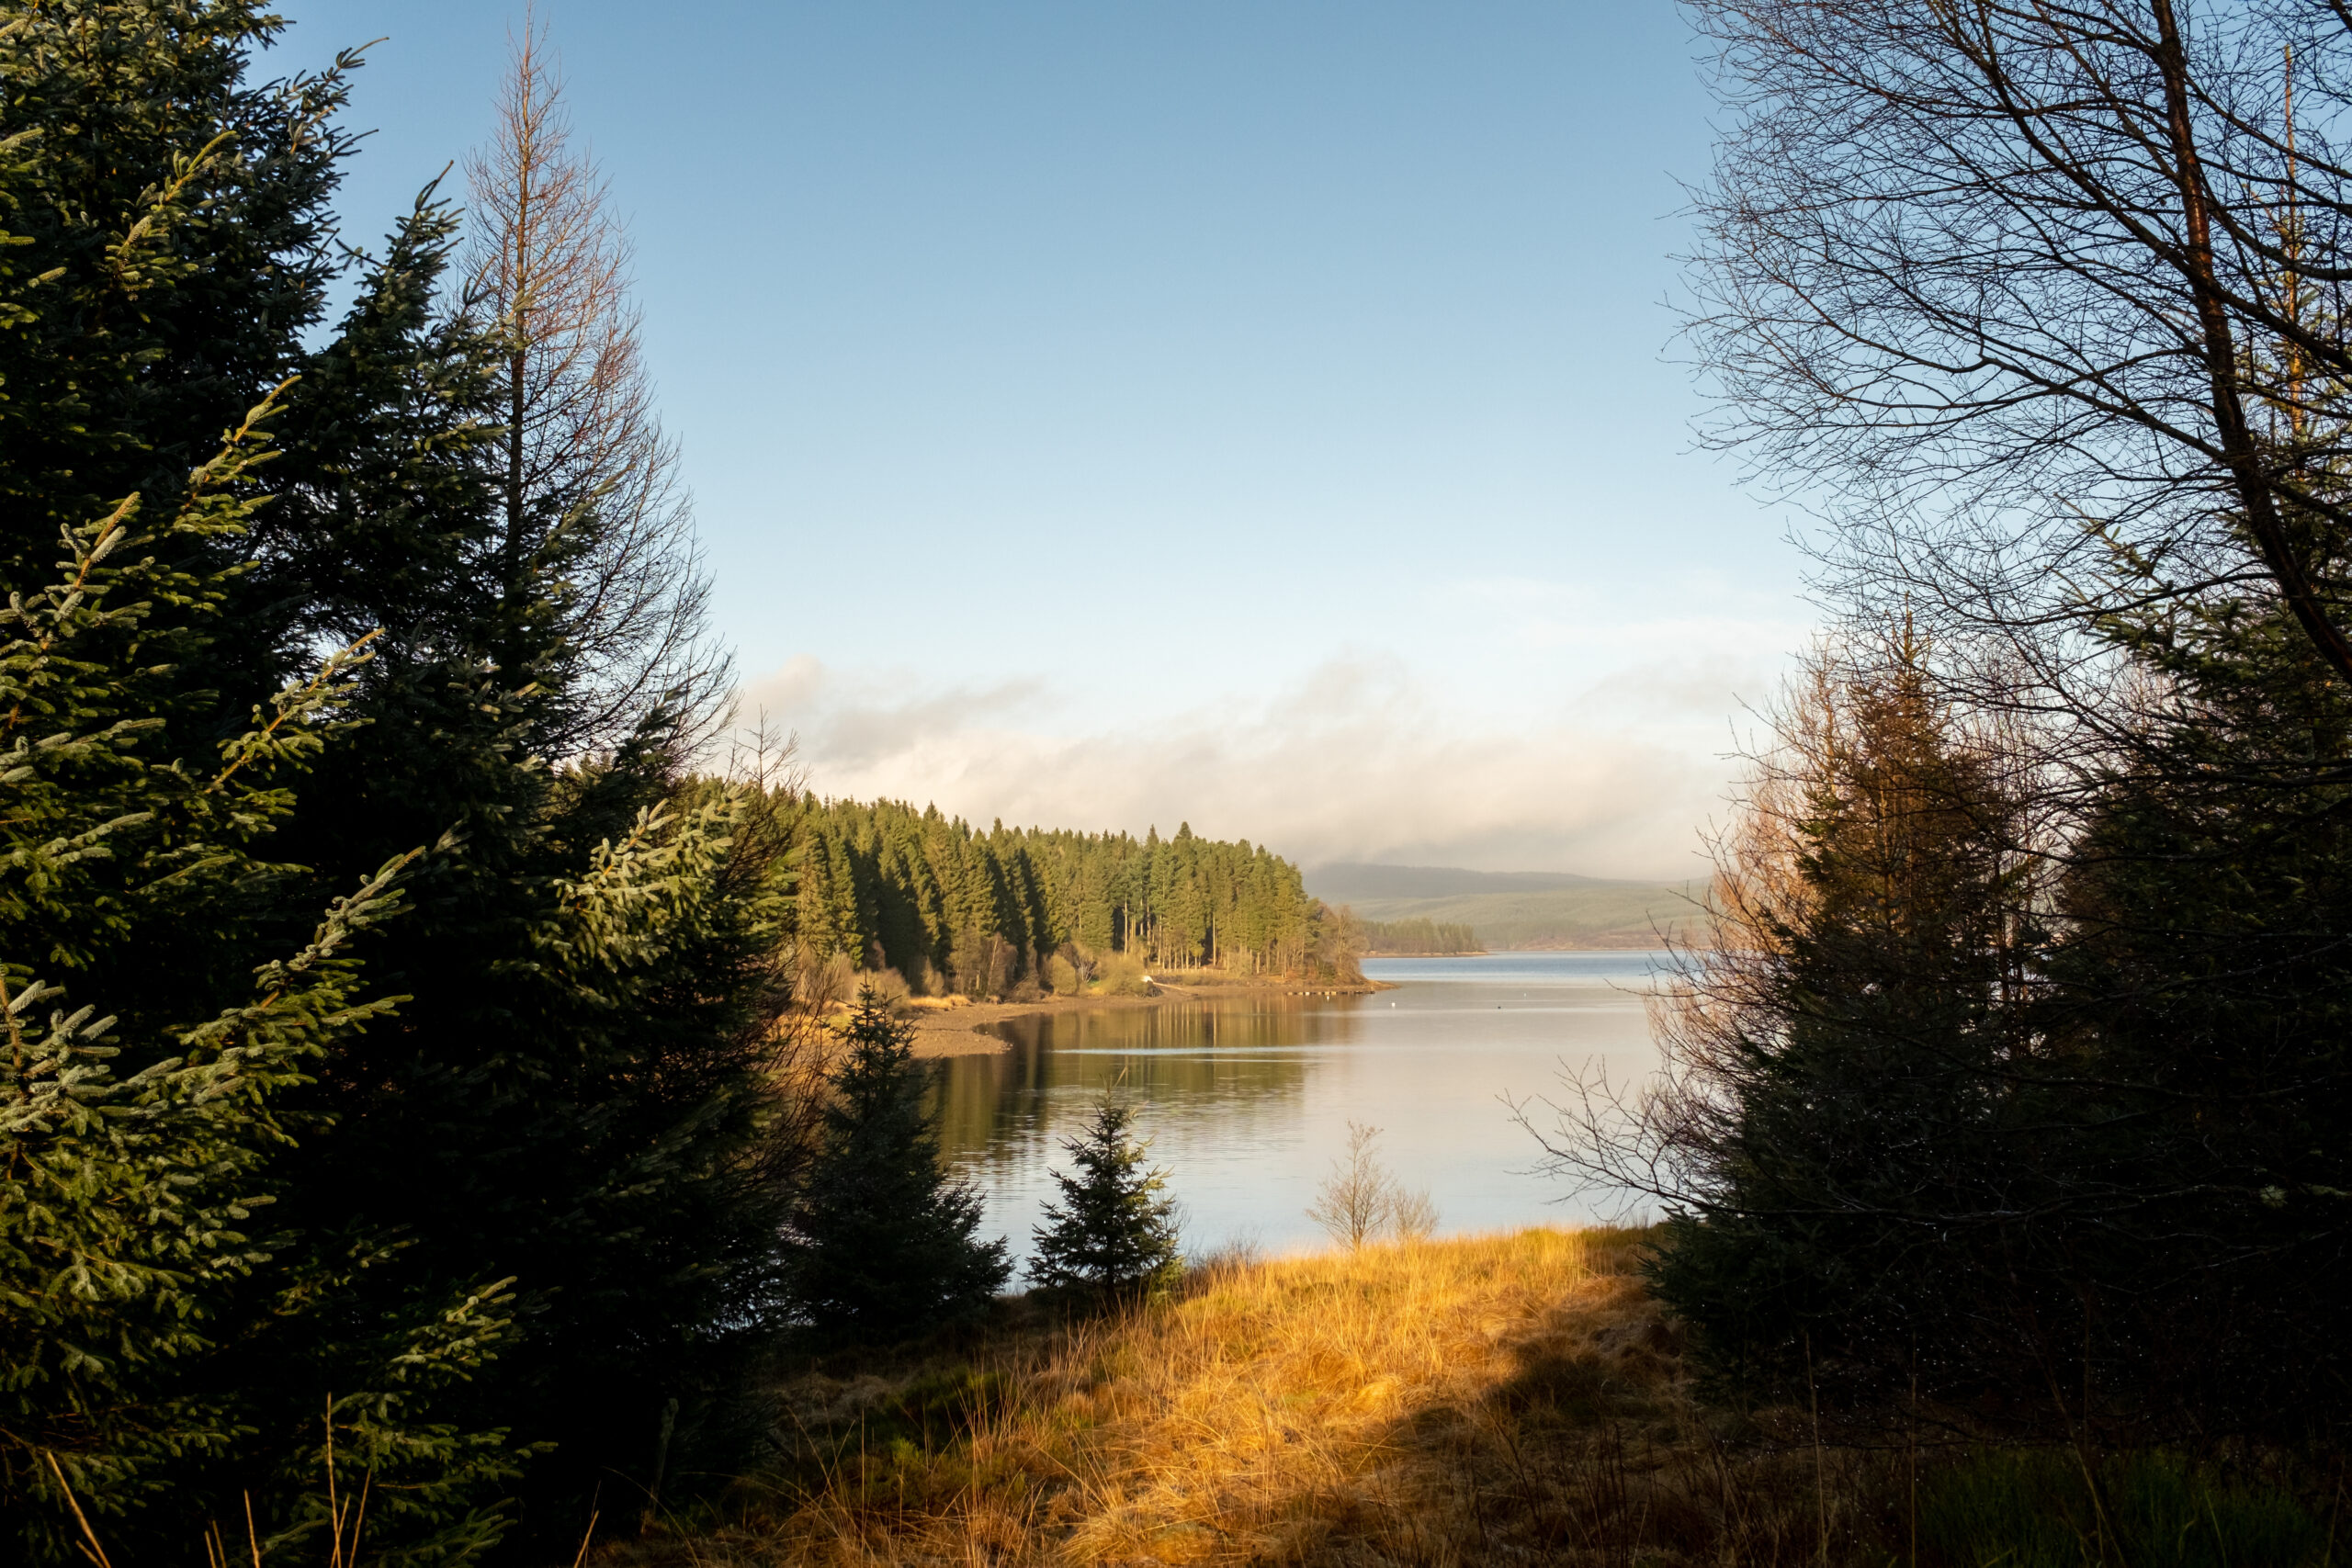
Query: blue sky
[[1100, 415]]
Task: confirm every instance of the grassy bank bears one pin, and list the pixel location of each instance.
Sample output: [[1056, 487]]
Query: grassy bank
[[1503, 1399], [1488, 1400]]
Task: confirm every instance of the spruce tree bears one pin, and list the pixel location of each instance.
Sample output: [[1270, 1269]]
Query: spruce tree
[[175, 981], [1845, 1134], [583, 1091], [883, 1241], [147, 1278], [1114, 1233], [2200, 1010]]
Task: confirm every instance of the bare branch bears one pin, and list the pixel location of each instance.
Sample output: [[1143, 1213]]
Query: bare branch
[[592, 493]]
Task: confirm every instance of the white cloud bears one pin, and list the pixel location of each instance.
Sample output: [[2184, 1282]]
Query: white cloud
[[1356, 760]]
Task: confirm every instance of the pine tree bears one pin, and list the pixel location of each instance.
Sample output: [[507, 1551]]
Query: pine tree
[[1114, 1233], [883, 1241]]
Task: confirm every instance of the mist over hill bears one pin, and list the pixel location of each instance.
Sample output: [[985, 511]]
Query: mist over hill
[[1344, 882], [1518, 909]]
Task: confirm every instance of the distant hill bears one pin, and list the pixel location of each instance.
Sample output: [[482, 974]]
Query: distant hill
[[1352, 882], [1517, 909]]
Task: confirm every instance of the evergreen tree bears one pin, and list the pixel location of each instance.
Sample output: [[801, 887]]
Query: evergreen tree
[[586, 1090], [2201, 1004], [175, 216], [583, 1090], [1114, 1233], [169, 721], [884, 1242], [147, 1278], [164, 251], [1843, 1134]]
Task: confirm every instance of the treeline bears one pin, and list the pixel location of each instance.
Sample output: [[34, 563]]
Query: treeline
[[2013, 1094], [990, 913], [1421, 935]]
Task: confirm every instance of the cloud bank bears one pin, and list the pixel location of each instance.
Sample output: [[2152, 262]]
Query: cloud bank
[[1357, 760]]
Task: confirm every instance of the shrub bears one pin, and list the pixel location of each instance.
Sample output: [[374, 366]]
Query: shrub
[[1361, 1200], [1122, 974]]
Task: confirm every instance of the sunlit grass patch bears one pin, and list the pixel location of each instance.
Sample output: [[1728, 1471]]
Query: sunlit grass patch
[[1480, 1398], [1505, 1399]]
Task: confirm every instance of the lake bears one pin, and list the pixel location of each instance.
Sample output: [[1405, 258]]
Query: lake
[[1247, 1099]]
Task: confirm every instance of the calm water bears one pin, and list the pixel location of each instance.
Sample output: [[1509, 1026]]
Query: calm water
[[1246, 1102]]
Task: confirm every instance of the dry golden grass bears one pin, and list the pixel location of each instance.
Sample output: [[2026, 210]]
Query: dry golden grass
[[1500, 1399]]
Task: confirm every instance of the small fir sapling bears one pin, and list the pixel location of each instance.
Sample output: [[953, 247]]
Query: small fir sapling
[[884, 1242], [1114, 1232]]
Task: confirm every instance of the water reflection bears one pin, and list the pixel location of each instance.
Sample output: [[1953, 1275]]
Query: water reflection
[[1227, 1062], [1247, 1099]]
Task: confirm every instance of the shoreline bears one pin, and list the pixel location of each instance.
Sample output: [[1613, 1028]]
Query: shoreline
[[945, 1028], [962, 1029]]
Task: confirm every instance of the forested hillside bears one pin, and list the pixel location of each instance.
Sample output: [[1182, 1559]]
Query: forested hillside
[[1411, 938], [954, 909], [1517, 909]]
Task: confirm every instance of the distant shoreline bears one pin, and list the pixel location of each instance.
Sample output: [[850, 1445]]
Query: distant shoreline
[[1562, 947], [955, 1027], [963, 1029]]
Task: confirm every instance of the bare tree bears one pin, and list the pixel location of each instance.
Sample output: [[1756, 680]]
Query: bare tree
[[1357, 1202], [1413, 1217], [591, 485], [2044, 306]]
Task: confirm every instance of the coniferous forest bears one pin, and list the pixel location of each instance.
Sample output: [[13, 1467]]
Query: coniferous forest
[[983, 912], [1419, 936]]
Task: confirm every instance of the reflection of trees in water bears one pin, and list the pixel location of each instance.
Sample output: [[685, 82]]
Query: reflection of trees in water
[[1232, 1060]]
